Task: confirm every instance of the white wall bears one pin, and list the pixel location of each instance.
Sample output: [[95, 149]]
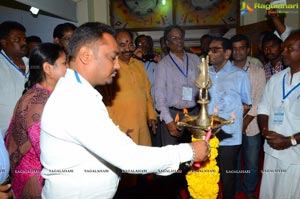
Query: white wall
[[41, 25]]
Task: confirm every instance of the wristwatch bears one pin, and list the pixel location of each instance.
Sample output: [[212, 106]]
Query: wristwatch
[[293, 141]]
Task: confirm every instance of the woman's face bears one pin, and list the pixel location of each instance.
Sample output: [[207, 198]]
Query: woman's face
[[60, 66]]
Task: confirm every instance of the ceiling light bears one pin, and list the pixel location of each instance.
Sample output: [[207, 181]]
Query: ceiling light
[[34, 10]]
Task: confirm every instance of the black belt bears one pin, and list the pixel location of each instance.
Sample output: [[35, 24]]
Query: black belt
[[181, 110]]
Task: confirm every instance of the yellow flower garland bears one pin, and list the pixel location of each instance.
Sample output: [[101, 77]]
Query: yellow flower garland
[[203, 182]]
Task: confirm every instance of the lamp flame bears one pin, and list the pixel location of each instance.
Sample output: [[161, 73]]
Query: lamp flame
[[232, 116], [213, 116], [215, 110], [185, 111], [176, 118]]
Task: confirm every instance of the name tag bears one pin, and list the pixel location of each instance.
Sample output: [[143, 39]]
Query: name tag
[[278, 115], [187, 93]]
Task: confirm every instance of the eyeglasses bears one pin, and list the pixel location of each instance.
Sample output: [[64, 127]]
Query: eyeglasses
[[215, 49], [175, 38]]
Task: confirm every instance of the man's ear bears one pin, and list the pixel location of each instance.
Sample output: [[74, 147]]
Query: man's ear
[[167, 43], [85, 55], [227, 54], [56, 40], [2, 42]]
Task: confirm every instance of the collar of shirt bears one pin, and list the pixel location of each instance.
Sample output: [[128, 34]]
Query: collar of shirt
[[71, 74], [226, 68], [278, 67]]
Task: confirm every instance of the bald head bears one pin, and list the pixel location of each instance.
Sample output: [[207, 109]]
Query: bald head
[[291, 51]]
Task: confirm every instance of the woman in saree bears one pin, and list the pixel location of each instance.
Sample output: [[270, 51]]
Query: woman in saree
[[47, 64]]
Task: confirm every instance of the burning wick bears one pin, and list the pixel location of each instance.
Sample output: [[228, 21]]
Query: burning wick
[[232, 116], [185, 111], [213, 116], [176, 118]]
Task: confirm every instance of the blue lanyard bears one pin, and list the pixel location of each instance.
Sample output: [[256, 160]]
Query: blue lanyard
[[14, 65], [77, 76], [187, 66], [247, 67], [271, 70], [284, 96], [147, 66]]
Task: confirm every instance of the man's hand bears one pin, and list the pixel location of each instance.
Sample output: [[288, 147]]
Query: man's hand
[[201, 149], [153, 125], [173, 129], [139, 52], [277, 141], [272, 13], [3, 191]]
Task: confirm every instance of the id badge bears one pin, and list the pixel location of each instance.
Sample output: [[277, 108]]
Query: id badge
[[278, 115], [187, 93]]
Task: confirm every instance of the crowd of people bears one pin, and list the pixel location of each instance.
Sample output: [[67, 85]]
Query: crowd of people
[[92, 114]]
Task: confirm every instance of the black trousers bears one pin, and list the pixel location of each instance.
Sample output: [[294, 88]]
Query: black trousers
[[227, 162], [167, 139]]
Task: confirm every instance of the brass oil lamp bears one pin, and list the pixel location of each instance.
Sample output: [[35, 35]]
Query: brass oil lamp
[[200, 124]]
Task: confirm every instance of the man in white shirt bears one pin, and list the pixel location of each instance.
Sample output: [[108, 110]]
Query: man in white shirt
[[82, 150], [278, 117], [13, 69]]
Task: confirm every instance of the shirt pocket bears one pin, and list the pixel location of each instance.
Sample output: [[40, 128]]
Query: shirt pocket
[[295, 108], [229, 101]]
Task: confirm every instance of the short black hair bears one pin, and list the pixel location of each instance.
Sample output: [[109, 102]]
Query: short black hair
[[226, 44], [269, 36], [33, 38], [8, 26], [206, 36], [60, 29], [87, 33], [240, 37], [148, 39], [118, 31], [170, 28]]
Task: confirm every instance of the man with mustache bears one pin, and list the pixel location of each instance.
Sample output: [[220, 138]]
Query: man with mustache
[[278, 117], [271, 46], [132, 92], [131, 105], [231, 93], [82, 150], [175, 90], [13, 69]]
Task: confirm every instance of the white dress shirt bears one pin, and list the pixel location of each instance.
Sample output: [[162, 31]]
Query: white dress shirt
[[82, 149], [11, 87], [272, 101]]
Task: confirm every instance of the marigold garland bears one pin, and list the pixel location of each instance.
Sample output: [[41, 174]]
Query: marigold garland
[[203, 182]]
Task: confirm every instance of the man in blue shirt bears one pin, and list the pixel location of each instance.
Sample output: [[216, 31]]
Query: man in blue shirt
[[230, 93], [4, 170]]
